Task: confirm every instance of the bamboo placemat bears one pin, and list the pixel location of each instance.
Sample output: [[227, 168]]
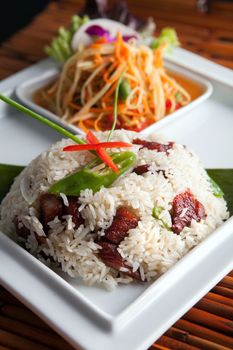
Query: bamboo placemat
[[209, 324]]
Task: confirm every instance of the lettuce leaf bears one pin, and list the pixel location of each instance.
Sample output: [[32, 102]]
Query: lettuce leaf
[[60, 47], [167, 36]]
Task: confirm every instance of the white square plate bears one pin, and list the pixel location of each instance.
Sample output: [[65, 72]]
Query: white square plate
[[133, 316]]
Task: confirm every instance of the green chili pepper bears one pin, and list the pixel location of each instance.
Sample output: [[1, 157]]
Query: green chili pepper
[[124, 89], [93, 179], [217, 192], [156, 214]]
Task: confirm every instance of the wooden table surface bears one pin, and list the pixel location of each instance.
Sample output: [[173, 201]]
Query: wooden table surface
[[209, 324]]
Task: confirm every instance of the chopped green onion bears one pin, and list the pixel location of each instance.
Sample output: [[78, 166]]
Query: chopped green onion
[[115, 107], [36, 116]]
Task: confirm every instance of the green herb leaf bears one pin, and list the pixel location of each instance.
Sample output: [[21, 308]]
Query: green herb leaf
[[156, 214], [224, 179]]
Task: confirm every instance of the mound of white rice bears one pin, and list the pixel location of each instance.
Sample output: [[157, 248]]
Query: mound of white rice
[[151, 247]]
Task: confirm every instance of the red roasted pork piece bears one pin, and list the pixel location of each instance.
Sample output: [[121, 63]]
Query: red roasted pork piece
[[72, 209], [113, 259], [124, 220], [24, 232], [186, 208], [50, 207], [141, 169], [151, 145], [21, 229]]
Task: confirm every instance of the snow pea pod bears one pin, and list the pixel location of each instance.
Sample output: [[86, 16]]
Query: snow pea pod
[[92, 176]]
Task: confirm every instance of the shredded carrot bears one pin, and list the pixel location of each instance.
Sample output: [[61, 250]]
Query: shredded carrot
[[82, 126], [110, 92], [96, 123], [86, 87], [98, 59]]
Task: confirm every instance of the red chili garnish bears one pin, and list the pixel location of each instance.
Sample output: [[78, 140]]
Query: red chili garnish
[[194, 210], [178, 105], [96, 146], [151, 145], [168, 105], [102, 152]]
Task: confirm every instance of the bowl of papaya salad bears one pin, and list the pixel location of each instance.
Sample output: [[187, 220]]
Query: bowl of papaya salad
[[109, 74]]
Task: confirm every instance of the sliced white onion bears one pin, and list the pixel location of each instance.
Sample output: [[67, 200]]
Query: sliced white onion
[[27, 192]]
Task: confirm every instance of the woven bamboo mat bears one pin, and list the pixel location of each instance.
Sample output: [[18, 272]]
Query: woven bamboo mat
[[209, 324]]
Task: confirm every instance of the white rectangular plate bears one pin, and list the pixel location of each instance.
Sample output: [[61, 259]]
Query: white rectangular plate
[[131, 317], [25, 92]]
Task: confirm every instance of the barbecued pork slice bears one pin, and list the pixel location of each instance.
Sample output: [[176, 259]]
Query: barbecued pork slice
[[151, 145], [23, 232], [124, 220], [50, 207], [72, 209], [141, 169], [186, 208], [113, 259]]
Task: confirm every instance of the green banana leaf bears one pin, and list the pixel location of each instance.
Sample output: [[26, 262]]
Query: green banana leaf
[[7, 175], [223, 177]]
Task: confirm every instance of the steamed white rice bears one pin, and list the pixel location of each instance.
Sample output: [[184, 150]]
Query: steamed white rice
[[149, 248]]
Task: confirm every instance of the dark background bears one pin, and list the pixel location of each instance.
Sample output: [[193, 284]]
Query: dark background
[[15, 14]]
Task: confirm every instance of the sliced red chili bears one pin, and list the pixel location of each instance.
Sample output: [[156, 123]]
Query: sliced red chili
[[178, 105], [97, 146], [168, 104], [102, 152]]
